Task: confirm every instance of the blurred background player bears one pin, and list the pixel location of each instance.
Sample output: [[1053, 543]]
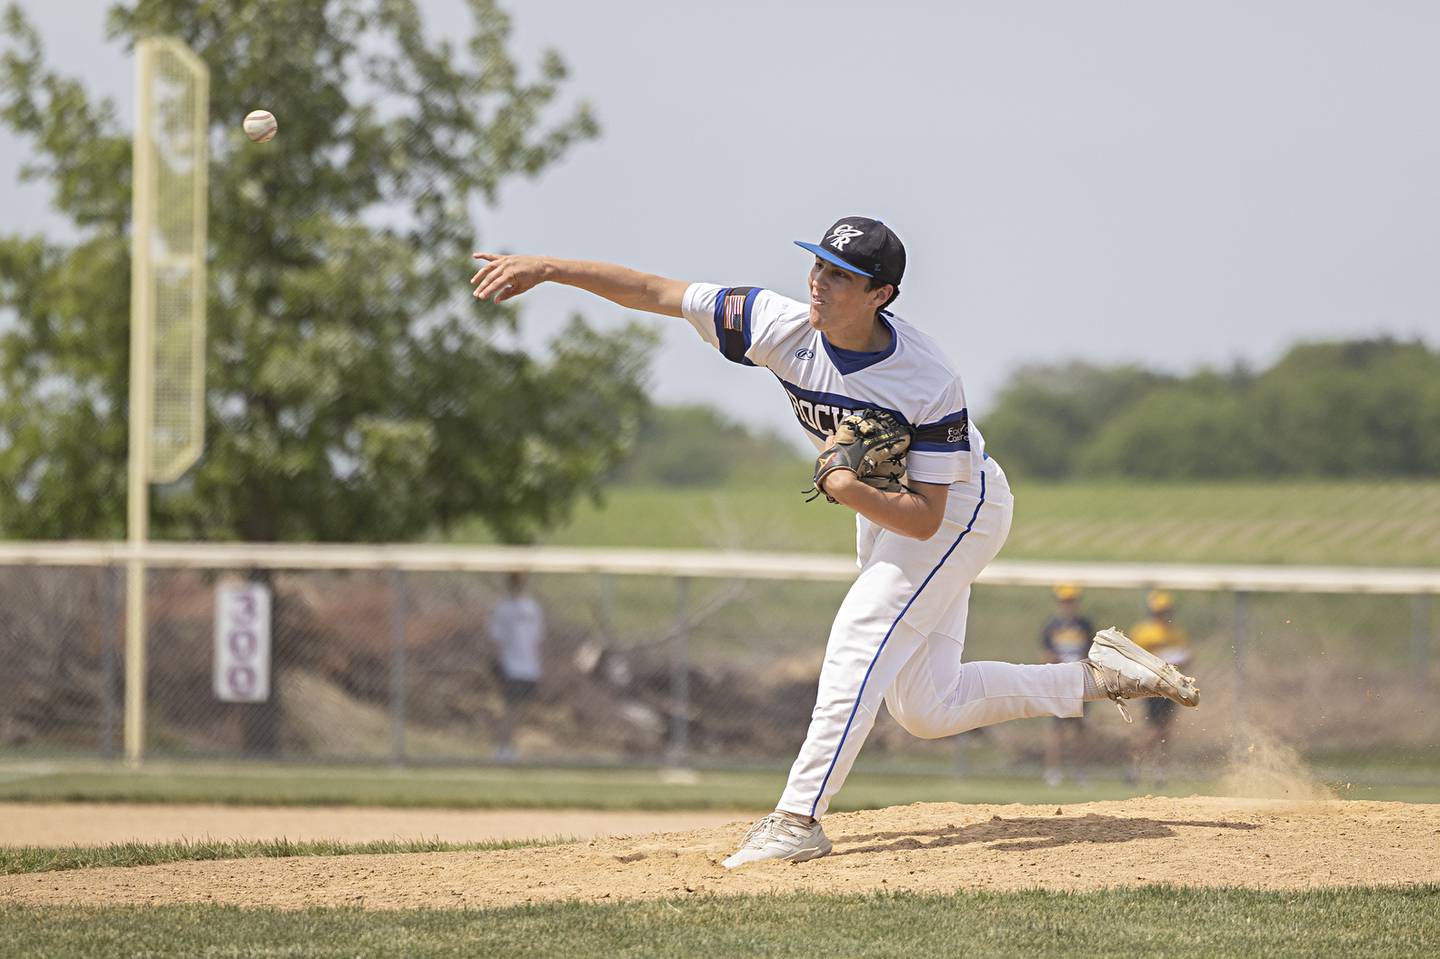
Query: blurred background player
[[517, 628], [1066, 639], [1158, 634]]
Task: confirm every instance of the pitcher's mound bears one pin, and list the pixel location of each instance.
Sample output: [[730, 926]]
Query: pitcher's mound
[[933, 847]]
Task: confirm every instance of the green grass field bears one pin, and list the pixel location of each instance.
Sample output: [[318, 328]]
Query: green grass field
[[1385, 523], [1155, 921], [871, 786], [1151, 921], [22, 859], [511, 787]]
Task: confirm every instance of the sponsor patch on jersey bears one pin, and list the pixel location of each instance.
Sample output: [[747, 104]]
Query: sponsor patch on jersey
[[805, 353], [949, 435]]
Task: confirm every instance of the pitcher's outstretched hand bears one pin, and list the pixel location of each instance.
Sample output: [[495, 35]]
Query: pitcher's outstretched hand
[[502, 277]]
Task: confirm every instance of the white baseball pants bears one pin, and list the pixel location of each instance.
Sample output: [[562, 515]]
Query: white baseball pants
[[899, 635]]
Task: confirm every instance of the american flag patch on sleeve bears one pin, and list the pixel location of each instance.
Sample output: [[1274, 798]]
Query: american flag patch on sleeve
[[733, 309], [733, 316]]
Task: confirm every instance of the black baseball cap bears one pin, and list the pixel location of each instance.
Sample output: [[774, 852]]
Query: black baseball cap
[[862, 245]]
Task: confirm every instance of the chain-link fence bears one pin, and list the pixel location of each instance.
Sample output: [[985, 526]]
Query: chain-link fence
[[398, 666]]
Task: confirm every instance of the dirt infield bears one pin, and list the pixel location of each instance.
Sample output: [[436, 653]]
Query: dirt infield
[[97, 824], [1268, 844]]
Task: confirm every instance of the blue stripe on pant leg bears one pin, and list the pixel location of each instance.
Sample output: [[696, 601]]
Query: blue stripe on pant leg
[[859, 695]]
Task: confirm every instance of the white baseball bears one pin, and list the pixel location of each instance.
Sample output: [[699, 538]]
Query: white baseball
[[260, 125]]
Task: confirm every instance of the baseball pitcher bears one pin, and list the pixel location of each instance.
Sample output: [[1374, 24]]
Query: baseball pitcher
[[887, 413]]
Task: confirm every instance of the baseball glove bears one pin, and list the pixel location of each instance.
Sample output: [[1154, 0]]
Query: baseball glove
[[871, 444]]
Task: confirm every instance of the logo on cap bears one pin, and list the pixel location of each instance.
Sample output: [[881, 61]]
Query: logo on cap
[[843, 234]]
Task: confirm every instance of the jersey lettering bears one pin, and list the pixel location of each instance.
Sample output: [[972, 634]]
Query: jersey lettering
[[821, 413], [806, 411]]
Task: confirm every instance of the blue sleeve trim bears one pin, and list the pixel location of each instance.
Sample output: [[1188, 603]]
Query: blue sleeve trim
[[749, 312], [720, 295], [733, 309], [948, 435]]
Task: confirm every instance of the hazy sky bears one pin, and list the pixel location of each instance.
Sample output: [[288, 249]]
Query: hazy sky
[[1172, 183]]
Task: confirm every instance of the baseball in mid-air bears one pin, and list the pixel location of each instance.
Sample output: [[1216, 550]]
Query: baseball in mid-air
[[260, 125]]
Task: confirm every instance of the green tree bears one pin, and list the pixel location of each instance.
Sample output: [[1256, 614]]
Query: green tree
[[1047, 415], [356, 391], [1197, 429], [1356, 408], [697, 445]]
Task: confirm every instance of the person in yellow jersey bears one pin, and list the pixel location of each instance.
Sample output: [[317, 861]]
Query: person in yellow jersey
[[1065, 639], [1158, 634]]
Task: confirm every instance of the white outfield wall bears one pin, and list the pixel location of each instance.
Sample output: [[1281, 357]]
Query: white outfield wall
[[727, 564]]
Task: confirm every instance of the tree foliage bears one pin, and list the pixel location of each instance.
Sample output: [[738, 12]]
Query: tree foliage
[[356, 391], [697, 445], [1048, 414], [1358, 408]]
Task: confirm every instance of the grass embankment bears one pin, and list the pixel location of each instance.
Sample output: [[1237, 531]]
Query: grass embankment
[[20, 859], [871, 786], [510, 787], [1153, 921], [1384, 523]]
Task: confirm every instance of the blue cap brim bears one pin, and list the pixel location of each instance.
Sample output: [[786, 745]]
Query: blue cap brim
[[825, 254]]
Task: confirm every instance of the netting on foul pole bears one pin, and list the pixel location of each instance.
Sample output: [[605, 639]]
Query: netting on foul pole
[[171, 180]]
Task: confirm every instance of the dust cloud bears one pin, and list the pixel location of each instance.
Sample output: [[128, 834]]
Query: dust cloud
[[1263, 767]]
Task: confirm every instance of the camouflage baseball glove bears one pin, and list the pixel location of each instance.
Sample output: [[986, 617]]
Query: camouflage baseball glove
[[872, 445]]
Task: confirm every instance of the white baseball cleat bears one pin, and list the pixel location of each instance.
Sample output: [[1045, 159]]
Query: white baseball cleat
[[1125, 671], [780, 836]]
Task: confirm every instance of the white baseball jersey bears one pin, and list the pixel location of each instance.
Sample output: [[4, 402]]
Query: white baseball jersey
[[912, 378], [900, 632]]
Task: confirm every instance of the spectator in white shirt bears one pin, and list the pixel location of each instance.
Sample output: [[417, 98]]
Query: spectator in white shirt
[[517, 628]]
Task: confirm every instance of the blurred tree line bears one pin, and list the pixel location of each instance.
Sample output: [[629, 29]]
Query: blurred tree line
[[696, 445], [1358, 408], [356, 391]]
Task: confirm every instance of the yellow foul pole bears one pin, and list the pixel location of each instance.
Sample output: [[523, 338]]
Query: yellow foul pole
[[167, 313], [142, 293]]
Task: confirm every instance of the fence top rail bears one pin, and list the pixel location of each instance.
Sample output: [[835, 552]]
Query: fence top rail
[[730, 564]]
